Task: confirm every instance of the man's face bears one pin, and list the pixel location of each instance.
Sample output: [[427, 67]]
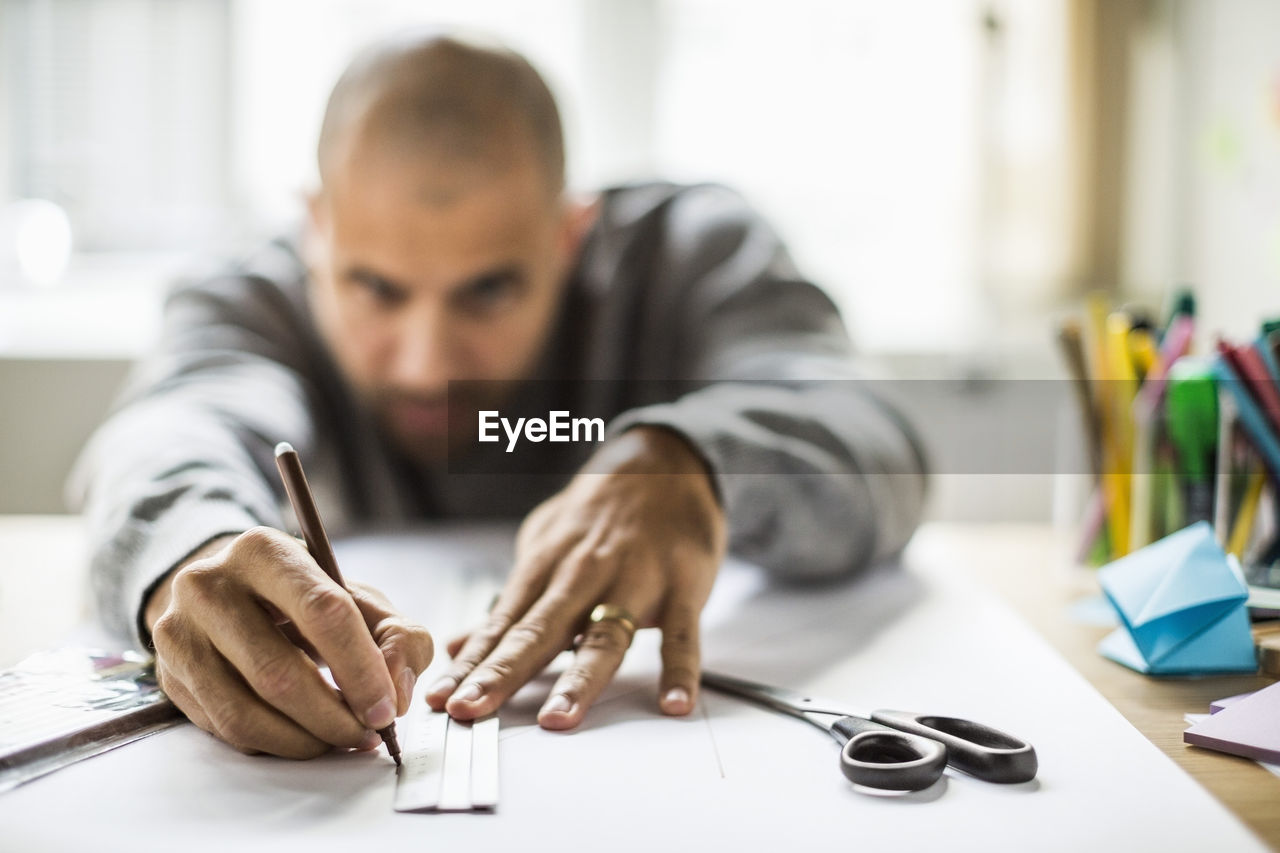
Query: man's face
[[424, 274]]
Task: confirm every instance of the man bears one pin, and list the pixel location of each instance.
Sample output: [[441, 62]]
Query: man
[[439, 247]]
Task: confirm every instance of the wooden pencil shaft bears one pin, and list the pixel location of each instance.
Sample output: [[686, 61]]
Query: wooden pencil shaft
[[304, 506]]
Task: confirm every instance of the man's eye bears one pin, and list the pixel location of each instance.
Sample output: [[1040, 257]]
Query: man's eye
[[381, 291], [489, 293]]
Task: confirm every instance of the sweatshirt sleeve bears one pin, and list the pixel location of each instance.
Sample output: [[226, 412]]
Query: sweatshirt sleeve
[[187, 454], [817, 476]]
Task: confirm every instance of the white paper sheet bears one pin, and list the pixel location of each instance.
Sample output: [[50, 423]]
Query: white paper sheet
[[731, 775]]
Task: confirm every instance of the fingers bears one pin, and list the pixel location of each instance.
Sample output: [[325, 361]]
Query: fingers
[[537, 637], [599, 654], [204, 686], [523, 651], [646, 538], [282, 675], [527, 583], [279, 569], [251, 726], [455, 645], [236, 639], [681, 658], [600, 650], [406, 646], [182, 698], [291, 633]]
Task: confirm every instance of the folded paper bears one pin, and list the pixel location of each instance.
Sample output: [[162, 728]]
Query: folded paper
[[1181, 603]]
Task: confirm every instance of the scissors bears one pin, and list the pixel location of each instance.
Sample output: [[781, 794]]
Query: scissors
[[897, 750]]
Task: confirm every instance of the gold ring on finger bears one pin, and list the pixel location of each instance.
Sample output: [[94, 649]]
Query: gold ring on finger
[[614, 613]]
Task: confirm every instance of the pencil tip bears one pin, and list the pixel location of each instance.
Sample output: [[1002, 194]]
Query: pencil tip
[[282, 448]]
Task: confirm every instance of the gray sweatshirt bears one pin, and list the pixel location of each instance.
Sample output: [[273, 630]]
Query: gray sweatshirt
[[684, 310]]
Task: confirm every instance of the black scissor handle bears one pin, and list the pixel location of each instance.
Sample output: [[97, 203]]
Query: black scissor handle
[[879, 757], [981, 751]]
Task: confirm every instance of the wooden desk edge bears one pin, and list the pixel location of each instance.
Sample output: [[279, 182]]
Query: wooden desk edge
[[1032, 574]]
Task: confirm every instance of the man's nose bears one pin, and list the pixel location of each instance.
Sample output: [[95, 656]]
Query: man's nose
[[423, 362]]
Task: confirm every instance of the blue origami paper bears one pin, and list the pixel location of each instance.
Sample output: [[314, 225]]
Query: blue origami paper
[[1181, 602]]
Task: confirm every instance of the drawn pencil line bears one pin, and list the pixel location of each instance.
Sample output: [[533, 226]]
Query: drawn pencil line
[[715, 747]]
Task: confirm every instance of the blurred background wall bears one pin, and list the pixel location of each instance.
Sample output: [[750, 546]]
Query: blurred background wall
[[955, 172]]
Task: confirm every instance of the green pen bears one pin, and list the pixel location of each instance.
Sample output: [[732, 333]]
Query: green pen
[[1191, 412]]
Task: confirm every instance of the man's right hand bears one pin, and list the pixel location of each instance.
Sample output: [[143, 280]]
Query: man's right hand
[[239, 630]]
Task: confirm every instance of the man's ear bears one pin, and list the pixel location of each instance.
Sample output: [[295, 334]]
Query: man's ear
[[317, 210], [579, 215], [315, 233]]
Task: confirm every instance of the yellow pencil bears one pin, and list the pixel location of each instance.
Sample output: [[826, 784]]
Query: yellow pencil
[[1143, 352], [1095, 339], [1243, 527], [1123, 385]]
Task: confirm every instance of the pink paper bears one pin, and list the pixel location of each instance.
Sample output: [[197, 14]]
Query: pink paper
[[1249, 727], [1218, 704]]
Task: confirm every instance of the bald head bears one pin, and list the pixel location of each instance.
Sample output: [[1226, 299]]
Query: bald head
[[443, 100]]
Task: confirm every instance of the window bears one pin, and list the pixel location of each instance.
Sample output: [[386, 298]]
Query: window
[[862, 129], [117, 112]]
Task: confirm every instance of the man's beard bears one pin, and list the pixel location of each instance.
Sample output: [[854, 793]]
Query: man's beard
[[427, 428]]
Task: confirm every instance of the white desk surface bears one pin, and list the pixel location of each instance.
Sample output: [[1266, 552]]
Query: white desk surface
[[919, 637]]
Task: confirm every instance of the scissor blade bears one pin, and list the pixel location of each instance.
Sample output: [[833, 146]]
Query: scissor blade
[[778, 698]]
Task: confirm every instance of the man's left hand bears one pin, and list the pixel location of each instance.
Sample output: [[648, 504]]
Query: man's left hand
[[640, 528]]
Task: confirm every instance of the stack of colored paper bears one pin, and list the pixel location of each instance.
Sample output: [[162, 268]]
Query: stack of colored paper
[[1244, 725]]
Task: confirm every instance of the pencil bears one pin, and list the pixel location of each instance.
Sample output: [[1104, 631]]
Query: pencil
[[1071, 340], [1246, 514], [304, 506], [1123, 381]]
